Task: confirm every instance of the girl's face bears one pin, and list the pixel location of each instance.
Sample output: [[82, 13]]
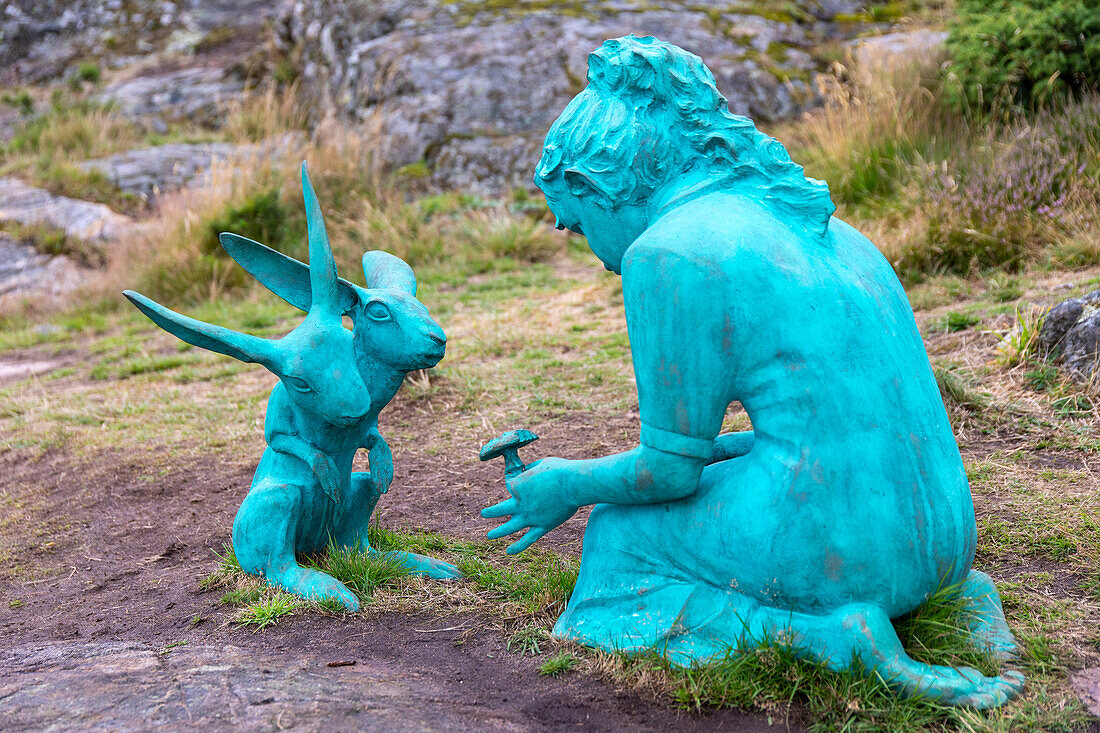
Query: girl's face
[[610, 230]]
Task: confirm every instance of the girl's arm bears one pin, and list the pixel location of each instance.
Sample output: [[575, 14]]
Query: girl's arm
[[682, 346]]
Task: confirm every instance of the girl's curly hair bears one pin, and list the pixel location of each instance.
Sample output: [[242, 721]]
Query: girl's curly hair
[[651, 111]]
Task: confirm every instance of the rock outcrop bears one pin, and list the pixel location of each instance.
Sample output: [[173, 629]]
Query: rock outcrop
[[43, 39], [465, 91], [47, 278], [898, 50], [151, 171], [134, 686], [82, 220], [198, 93], [1071, 331], [26, 272]]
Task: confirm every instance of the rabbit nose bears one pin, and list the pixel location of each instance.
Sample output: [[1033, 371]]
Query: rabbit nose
[[437, 336]]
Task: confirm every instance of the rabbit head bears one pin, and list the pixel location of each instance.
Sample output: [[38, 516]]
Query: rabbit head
[[391, 327], [316, 361]]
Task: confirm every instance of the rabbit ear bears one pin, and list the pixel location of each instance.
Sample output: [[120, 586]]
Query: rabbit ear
[[322, 267], [240, 346], [389, 272], [285, 276]]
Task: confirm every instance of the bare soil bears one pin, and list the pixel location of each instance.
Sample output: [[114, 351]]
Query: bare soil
[[121, 542]]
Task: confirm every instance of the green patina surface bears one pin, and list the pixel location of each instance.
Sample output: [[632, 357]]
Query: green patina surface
[[847, 505], [333, 383]]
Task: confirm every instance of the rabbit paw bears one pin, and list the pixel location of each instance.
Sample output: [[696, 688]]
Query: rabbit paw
[[427, 566], [316, 586]]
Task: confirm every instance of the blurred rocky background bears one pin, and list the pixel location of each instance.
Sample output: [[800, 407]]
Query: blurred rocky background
[[452, 95], [131, 130]]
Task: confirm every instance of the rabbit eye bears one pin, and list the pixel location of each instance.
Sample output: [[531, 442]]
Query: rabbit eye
[[297, 383], [377, 311]]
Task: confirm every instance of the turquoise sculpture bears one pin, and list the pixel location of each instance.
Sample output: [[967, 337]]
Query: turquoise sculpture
[[332, 385], [847, 505]]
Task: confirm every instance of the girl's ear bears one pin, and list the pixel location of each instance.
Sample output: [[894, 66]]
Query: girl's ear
[[580, 185], [241, 346]]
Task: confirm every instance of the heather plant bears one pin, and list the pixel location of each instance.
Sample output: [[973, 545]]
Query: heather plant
[[1025, 53], [1000, 210], [1014, 195]]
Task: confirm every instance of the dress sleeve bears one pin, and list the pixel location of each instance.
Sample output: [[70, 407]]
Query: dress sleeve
[[682, 342]]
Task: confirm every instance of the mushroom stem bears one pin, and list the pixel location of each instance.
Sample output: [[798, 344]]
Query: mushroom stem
[[512, 463]]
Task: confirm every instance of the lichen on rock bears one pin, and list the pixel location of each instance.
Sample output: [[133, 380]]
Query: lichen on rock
[[470, 88], [1071, 331]]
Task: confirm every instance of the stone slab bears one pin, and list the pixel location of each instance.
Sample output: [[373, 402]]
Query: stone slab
[[80, 219], [1086, 684], [130, 686], [151, 171]]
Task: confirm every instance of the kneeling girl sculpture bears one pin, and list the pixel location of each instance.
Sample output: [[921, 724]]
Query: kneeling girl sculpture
[[847, 505]]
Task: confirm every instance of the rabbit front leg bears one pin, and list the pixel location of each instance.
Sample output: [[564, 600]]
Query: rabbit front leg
[[354, 519], [321, 464], [381, 460], [353, 524], [263, 541]]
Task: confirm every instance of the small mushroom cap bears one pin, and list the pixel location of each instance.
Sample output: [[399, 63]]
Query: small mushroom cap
[[511, 439]]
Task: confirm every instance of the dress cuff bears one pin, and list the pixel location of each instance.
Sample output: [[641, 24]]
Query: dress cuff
[[677, 443]]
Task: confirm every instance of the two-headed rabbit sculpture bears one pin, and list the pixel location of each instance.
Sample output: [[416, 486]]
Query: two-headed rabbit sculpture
[[332, 385]]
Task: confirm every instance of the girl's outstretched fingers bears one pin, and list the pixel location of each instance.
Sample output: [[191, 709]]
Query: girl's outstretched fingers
[[526, 541], [513, 525], [507, 507]]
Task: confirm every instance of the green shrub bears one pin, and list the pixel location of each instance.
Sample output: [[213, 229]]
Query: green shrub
[[89, 72], [954, 321], [1021, 52], [264, 217], [20, 100]]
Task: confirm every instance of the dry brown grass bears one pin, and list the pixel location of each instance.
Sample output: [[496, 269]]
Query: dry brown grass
[[174, 256], [877, 120]]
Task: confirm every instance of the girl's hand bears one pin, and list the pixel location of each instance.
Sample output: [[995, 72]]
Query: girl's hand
[[540, 501]]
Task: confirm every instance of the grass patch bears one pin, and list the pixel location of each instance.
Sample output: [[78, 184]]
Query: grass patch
[[362, 573], [954, 321], [533, 583], [957, 390], [528, 641], [142, 365], [272, 605], [1022, 341], [532, 587], [558, 664], [774, 678], [46, 148], [259, 604]]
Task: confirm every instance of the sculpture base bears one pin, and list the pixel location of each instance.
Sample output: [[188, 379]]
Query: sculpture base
[[623, 603]]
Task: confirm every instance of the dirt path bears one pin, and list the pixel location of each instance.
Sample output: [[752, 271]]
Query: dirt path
[[391, 672], [118, 633]]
